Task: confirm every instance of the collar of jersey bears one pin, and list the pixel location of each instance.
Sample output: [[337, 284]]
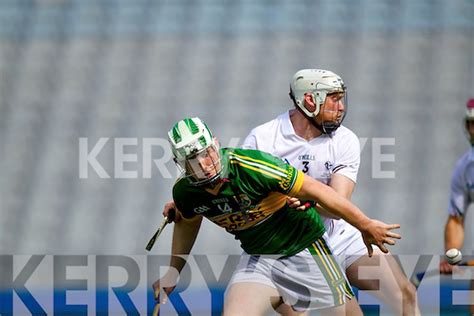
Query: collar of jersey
[[288, 129]]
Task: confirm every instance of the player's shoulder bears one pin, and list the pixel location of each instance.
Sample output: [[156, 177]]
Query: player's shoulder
[[344, 131], [250, 154], [251, 159], [344, 135], [468, 156], [270, 126], [180, 186], [465, 159]]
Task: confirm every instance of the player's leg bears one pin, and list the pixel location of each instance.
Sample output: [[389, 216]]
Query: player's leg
[[341, 310], [349, 247], [351, 307], [313, 280], [247, 298], [388, 282], [286, 310], [251, 290]]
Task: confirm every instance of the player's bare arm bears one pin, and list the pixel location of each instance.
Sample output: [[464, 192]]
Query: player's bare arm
[[373, 231], [342, 185], [453, 238], [184, 235], [454, 232]]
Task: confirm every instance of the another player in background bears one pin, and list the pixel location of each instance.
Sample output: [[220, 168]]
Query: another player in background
[[245, 192], [460, 197], [311, 138]]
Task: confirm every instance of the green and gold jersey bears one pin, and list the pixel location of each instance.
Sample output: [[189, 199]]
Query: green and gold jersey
[[251, 203]]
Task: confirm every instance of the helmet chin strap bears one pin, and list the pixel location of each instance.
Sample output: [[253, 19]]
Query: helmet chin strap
[[212, 182], [330, 127]]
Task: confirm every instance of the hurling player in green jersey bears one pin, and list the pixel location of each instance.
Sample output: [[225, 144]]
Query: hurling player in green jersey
[[245, 192]]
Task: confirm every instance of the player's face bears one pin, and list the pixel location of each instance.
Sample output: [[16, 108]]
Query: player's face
[[333, 108], [470, 129], [204, 165]]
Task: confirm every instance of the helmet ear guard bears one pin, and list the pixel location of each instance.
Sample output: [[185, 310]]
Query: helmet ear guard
[[308, 109], [311, 106]]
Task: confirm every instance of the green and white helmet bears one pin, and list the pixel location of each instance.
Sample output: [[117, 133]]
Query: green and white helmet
[[318, 82], [193, 146]]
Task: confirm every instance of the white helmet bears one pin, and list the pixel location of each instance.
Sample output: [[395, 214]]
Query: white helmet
[[319, 83], [192, 142]]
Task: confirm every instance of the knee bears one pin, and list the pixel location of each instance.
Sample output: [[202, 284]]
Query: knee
[[405, 293], [408, 291]]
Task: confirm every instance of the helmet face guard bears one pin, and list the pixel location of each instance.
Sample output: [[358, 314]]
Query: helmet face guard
[[195, 151], [202, 168], [332, 109]]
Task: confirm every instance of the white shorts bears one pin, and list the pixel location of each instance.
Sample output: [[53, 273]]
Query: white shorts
[[346, 242], [311, 279]]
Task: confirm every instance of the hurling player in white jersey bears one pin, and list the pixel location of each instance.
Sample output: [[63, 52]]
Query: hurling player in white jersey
[[460, 197], [311, 138]]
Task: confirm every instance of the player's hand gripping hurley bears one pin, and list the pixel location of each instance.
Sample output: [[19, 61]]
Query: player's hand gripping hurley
[[169, 217], [157, 234]]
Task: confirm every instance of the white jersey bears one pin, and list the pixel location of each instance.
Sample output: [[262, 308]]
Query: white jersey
[[462, 185], [320, 157]]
